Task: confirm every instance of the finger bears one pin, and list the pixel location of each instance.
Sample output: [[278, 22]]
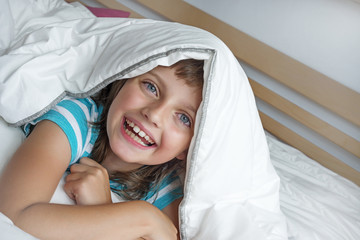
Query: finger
[[68, 190], [93, 167], [80, 167], [89, 162], [74, 176], [83, 165], [74, 188]]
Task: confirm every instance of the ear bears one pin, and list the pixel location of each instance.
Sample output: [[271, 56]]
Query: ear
[[182, 156]]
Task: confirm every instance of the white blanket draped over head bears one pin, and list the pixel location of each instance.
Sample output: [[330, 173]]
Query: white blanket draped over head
[[50, 49]]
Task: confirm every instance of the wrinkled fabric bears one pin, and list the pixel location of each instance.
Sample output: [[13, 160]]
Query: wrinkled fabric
[[54, 49], [318, 203]]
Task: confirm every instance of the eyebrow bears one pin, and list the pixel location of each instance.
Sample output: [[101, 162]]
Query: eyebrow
[[190, 108], [154, 74]]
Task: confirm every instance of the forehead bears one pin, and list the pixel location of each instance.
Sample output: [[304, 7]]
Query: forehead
[[170, 74]]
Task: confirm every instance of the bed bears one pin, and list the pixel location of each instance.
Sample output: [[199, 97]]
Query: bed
[[319, 194]]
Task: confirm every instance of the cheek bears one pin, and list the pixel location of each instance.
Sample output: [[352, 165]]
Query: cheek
[[121, 101], [177, 138], [112, 112], [129, 100]]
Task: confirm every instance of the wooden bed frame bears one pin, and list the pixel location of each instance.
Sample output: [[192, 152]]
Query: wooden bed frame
[[284, 69]]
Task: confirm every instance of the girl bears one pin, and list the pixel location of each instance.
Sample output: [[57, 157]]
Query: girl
[[136, 133]]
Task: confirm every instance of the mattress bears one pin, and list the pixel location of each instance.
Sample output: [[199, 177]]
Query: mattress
[[318, 203]]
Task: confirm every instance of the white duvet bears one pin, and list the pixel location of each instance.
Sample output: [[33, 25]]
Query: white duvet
[[50, 49], [318, 203]]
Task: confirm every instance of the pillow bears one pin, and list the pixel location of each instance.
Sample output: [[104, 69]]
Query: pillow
[[11, 138]]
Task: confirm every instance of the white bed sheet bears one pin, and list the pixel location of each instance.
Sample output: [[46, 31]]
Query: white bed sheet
[[318, 203]]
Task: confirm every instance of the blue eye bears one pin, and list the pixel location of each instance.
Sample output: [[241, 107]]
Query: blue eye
[[185, 120], [151, 87]]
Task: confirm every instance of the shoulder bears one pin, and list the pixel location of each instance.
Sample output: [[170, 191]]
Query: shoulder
[[74, 116], [69, 111], [83, 108]]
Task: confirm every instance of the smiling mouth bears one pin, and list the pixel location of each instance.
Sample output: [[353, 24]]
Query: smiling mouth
[[134, 131]]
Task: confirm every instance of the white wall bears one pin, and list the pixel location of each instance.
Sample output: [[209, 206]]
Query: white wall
[[323, 34]]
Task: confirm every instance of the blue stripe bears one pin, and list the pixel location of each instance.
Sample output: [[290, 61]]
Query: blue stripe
[[168, 197], [89, 103], [93, 111], [165, 200], [160, 201], [80, 117]]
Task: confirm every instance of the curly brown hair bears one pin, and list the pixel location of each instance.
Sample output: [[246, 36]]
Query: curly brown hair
[[137, 183]]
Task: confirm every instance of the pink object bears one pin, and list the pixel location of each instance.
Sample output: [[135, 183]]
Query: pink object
[[107, 12]]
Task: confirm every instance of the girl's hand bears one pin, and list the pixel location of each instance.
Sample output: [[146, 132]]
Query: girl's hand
[[88, 183]]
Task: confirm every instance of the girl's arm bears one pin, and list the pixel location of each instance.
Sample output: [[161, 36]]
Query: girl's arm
[[172, 211], [30, 179]]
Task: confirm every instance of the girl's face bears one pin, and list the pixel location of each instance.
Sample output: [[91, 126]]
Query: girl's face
[[151, 120]]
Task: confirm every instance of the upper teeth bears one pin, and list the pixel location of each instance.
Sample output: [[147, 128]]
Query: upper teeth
[[141, 133], [136, 129]]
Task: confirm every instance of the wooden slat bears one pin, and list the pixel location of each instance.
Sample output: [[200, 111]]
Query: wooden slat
[[277, 65], [308, 148], [321, 127]]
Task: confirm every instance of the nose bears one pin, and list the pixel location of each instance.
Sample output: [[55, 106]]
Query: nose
[[155, 113]]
